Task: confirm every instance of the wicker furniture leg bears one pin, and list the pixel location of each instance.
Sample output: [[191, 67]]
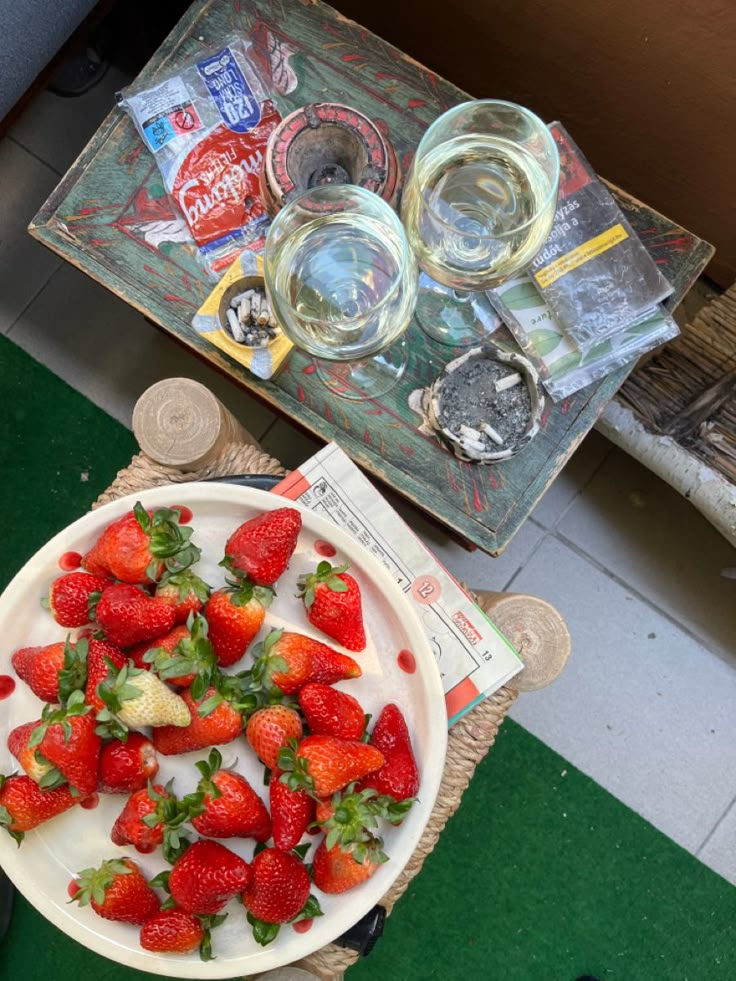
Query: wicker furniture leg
[[545, 640]]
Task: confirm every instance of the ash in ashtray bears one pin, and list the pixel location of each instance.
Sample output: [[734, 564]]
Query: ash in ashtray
[[250, 320], [487, 403]]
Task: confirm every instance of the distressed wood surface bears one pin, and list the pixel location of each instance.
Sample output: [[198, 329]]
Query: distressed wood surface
[[111, 217]]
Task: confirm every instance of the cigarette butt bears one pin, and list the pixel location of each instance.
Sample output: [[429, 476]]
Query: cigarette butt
[[237, 331], [255, 306], [470, 433], [492, 434], [264, 315], [244, 311], [272, 321], [508, 382]]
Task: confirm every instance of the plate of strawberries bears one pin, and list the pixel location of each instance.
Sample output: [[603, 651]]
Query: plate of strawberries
[[223, 731]]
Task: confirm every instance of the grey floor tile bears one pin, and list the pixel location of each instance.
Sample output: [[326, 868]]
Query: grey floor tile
[[572, 480], [107, 351], [56, 129], [289, 445], [641, 707], [719, 851], [645, 533], [25, 266]]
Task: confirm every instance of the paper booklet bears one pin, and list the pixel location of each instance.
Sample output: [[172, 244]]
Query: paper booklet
[[473, 657]]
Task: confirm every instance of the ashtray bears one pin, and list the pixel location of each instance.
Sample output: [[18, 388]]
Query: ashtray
[[486, 405], [237, 318]]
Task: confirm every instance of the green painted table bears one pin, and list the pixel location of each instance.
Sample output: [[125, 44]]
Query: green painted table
[[110, 217]]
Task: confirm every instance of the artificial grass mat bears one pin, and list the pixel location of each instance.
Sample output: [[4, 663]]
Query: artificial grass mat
[[540, 876]]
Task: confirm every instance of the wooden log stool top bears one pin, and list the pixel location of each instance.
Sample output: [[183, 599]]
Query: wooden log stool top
[[531, 624]]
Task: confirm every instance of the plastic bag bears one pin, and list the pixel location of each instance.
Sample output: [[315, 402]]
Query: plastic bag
[[208, 126], [563, 366]]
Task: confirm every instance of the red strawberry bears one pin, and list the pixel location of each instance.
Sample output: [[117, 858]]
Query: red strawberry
[[206, 877], [290, 660], [186, 591], [333, 604], [324, 764], [399, 775], [229, 807], [262, 546], [141, 545], [292, 811], [221, 725], [98, 655], [66, 737], [167, 643], [185, 657], [23, 805], [72, 598], [340, 868], [32, 762], [151, 817], [277, 893], [349, 816], [330, 712], [117, 890], [52, 672], [129, 616], [269, 729], [172, 931], [127, 766], [235, 614]]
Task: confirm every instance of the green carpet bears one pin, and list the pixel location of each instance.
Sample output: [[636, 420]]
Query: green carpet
[[539, 877]]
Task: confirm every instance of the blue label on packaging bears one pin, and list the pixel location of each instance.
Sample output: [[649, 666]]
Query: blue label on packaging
[[238, 107]]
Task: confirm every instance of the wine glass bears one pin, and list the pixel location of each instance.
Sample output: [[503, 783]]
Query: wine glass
[[342, 281], [478, 205]]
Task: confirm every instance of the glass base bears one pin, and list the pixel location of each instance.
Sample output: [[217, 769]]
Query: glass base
[[370, 378], [451, 316]]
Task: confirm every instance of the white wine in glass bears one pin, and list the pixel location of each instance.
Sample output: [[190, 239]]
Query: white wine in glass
[[478, 205]]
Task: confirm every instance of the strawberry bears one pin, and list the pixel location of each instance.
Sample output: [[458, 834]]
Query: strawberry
[[221, 724], [166, 644], [290, 660], [185, 657], [227, 805], [350, 815], [36, 766], [261, 547], [235, 614], [141, 545], [399, 776], [206, 877], [73, 597], [135, 698], [278, 893], [333, 604], [128, 616], [52, 672], [340, 868], [152, 817], [66, 737], [291, 813], [186, 592], [324, 764], [98, 655], [173, 931], [117, 890], [127, 766], [23, 805], [330, 712], [269, 730]]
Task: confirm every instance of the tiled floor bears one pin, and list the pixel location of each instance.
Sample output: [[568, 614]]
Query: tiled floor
[[647, 704]]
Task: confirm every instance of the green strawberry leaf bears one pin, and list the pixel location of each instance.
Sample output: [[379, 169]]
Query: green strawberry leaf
[[263, 933], [309, 910]]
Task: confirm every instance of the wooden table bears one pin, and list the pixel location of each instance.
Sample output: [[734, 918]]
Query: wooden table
[[111, 217]]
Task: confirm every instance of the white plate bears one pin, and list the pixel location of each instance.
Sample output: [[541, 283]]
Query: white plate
[[50, 856]]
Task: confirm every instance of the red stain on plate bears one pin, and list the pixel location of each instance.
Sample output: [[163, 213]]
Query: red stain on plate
[[185, 513], [406, 661], [70, 561], [301, 926], [90, 803], [324, 548], [7, 686]]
